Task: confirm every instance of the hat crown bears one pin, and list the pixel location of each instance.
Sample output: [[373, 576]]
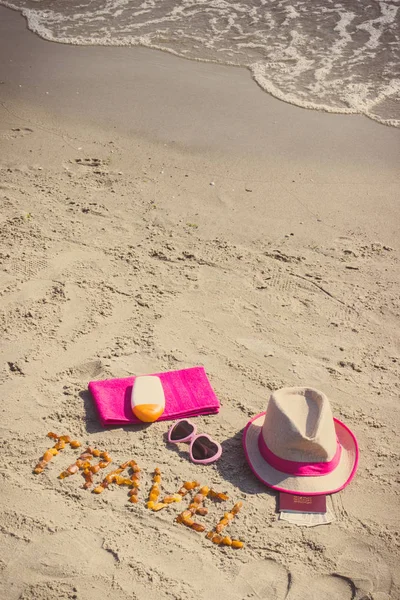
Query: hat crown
[[299, 426]]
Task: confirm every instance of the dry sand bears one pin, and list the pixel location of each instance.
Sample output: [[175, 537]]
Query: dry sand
[[219, 227]]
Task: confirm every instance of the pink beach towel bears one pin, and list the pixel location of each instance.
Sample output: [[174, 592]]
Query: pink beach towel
[[188, 393]]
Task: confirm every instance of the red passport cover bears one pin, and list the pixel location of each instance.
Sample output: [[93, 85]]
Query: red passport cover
[[309, 504]]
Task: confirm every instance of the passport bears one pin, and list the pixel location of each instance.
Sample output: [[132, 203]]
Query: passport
[[307, 504]]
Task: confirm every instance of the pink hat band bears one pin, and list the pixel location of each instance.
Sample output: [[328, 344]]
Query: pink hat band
[[299, 469]]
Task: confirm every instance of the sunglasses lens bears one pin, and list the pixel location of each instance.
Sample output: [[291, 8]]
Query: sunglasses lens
[[181, 430], [204, 448]]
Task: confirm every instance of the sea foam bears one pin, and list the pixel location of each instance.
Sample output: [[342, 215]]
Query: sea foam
[[337, 56]]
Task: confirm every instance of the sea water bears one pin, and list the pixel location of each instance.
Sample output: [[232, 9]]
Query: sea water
[[338, 56]]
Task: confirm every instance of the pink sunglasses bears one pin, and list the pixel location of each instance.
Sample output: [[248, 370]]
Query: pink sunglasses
[[203, 449]]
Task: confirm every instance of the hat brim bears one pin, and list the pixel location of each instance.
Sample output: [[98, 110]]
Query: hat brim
[[307, 486]]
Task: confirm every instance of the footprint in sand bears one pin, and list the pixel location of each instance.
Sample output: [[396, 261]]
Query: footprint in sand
[[89, 207], [257, 346], [361, 575], [344, 316], [329, 587], [87, 370], [92, 587], [272, 581], [57, 556], [90, 162], [367, 570], [278, 283], [25, 268], [51, 590], [93, 173], [17, 132], [96, 165]]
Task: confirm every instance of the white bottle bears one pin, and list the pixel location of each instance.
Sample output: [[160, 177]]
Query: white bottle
[[148, 400]]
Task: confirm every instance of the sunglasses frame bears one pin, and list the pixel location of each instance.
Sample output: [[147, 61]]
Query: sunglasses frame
[[191, 439], [186, 439]]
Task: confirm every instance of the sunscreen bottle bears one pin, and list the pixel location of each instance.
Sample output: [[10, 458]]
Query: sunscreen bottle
[[148, 400]]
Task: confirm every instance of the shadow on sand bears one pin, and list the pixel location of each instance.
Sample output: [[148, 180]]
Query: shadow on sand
[[232, 466], [92, 420]]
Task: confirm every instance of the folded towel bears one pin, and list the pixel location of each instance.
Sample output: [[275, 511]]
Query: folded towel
[[188, 393]]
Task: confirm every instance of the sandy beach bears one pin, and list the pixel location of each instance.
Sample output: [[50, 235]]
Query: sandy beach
[[158, 214]]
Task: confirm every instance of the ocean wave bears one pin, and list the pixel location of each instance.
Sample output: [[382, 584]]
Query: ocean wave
[[335, 56]]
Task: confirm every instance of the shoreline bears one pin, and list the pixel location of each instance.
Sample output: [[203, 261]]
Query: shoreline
[[270, 88], [169, 107], [164, 97]]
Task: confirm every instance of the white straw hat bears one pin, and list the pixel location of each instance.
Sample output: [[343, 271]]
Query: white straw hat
[[297, 446]]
